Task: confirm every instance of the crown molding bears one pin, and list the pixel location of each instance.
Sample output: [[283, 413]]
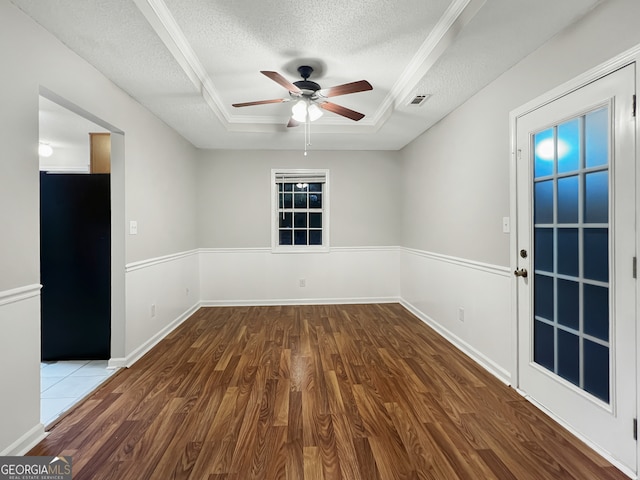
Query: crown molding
[[455, 18]]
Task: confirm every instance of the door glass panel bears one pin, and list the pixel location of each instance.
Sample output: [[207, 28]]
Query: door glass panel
[[544, 297], [568, 199], [571, 251], [568, 248], [569, 146], [596, 369], [543, 209], [597, 138], [544, 249], [596, 311], [596, 199], [569, 356], [544, 153], [543, 345], [569, 303], [596, 254]]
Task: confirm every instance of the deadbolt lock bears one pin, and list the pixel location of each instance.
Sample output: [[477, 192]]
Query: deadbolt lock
[[523, 253]]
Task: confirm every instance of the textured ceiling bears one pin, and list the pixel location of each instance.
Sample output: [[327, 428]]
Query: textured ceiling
[[189, 60]]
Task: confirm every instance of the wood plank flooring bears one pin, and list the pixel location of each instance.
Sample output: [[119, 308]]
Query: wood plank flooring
[[313, 393]]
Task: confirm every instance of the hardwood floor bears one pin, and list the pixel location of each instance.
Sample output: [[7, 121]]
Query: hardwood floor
[[308, 393]]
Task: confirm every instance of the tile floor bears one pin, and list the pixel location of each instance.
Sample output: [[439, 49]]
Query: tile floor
[[65, 383]]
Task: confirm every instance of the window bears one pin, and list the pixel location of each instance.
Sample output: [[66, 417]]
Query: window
[[300, 206]]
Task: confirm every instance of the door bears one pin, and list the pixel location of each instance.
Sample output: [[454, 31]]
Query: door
[[575, 170], [75, 266]]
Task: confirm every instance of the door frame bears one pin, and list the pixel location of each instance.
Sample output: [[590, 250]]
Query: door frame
[[629, 57], [118, 233]]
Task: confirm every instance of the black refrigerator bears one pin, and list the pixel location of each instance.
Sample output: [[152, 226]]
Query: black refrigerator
[[75, 266]]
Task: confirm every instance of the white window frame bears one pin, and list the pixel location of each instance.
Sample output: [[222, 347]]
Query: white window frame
[[289, 174]]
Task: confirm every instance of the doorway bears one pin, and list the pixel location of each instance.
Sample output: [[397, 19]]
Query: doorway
[[75, 236], [576, 293], [60, 386]]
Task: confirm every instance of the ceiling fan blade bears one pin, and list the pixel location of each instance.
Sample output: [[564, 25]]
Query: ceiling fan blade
[[346, 88], [276, 77], [260, 102], [293, 123], [340, 110]]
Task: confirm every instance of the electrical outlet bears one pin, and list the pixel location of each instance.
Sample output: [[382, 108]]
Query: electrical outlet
[[153, 310], [303, 282], [461, 314]]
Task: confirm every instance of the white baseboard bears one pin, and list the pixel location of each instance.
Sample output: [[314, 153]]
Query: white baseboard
[[477, 356], [298, 301], [117, 362], [26, 442], [139, 352]]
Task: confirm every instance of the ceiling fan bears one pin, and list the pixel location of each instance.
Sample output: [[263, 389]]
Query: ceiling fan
[[311, 98]]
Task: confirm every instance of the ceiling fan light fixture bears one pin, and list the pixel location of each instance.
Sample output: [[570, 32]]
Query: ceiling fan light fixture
[[315, 112], [302, 107], [299, 111]]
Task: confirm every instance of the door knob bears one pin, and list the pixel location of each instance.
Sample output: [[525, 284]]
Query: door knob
[[522, 272]]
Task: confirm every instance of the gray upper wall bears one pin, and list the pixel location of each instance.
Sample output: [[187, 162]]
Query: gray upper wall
[[157, 179], [234, 196], [455, 177]]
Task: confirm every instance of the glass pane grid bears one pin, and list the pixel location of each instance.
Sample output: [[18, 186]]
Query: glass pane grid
[[300, 213], [571, 252]]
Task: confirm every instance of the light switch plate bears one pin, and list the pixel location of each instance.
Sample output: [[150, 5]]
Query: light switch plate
[[133, 227]]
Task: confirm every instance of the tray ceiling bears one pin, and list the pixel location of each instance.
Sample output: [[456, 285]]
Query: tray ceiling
[[188, 61]]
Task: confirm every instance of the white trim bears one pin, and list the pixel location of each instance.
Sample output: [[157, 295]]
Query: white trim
[[626, 58], [26, 442], [389, 248], [453, 20], [116, 363], [66, 169], [463, 262], [234, 250], [150, 262], [165, 26], [489, 365], [285, 174], [299, 301], [19, 294], [440, 37], [139, 352]]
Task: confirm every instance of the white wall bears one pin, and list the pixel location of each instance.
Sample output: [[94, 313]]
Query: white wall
[[260, 277], [234, 195], [154, 183], [161, 293], [234, 217], [456, 187]]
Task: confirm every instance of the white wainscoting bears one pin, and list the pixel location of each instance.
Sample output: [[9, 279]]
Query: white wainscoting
[[435, 287], [20, 376], [257, 276], [160, 294]]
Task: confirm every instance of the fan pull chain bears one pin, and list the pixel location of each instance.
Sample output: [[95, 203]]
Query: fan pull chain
[[307, 133]]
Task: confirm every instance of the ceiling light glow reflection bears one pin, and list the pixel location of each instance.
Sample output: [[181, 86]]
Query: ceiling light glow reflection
[[545, 149]]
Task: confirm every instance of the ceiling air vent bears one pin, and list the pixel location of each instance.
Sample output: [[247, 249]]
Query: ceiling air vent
[[418, 100]]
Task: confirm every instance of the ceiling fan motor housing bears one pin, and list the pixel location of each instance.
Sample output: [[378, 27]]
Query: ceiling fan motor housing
[[306, 84]]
